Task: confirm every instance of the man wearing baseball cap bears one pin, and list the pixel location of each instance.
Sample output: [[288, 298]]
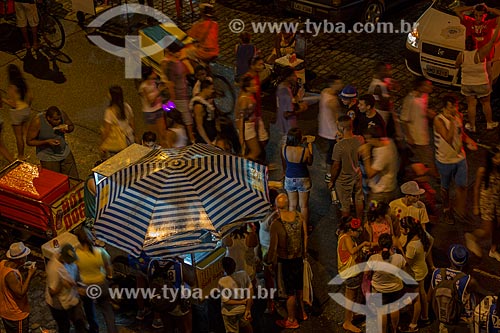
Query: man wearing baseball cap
[[14, 306], [349, 98], [61, 293]]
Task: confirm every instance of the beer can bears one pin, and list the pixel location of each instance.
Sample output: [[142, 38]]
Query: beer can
[[334, 197]]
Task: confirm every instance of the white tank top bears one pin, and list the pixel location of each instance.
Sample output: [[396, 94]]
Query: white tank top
[[327, 124], [473, 74], [446, 153]]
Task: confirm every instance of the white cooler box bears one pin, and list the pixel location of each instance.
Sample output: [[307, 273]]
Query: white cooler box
[[48, 249]]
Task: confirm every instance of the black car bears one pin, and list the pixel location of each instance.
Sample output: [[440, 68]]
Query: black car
[[339, 10]]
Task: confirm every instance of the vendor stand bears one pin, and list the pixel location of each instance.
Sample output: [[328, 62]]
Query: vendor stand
[[178, 203]]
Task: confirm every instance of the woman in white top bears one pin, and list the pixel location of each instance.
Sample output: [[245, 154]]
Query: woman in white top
[[19, 99], [387, 283], [475, 79], [329, 112], [118, 113], [415, 252]]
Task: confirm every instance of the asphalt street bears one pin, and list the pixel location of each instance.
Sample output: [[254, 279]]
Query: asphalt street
[[81, 92]]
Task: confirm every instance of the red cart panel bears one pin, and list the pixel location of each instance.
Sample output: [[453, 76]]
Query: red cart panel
[[26, 193], [7, 7]]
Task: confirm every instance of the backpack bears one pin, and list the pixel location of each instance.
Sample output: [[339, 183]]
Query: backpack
[[293, 236], [446, 301], [165, 272]]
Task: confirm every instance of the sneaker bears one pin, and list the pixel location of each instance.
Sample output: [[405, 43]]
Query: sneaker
[[157, 323], [141, 314], [495, 255], [285, 323], [469, 127], [492, 125], [328, 177], [472, 245]]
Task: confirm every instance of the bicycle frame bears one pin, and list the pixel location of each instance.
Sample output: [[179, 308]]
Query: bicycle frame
[[50, 29]]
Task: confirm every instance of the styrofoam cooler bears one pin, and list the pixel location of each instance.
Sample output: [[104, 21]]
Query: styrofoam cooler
[[54, 245], [481, 314]]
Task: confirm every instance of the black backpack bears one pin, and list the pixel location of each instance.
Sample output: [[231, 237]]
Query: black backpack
[[446, 301]]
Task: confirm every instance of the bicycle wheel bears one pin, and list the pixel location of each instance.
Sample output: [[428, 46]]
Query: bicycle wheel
[[224, 95], [52, 32]]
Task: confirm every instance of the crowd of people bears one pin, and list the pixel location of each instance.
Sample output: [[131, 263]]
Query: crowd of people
[[374, 148]]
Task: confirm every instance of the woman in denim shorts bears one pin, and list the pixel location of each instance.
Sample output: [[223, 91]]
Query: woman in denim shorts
[[297, 154]]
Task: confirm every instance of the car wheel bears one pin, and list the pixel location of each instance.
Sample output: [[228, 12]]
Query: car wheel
[[373, 12]]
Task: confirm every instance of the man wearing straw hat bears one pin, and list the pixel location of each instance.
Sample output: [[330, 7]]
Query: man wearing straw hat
[[14, 306], [410, 204]]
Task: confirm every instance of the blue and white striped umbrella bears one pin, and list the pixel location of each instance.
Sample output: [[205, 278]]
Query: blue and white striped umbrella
[[167, 202]]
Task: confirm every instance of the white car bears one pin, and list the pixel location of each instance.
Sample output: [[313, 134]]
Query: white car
[[435, 42]]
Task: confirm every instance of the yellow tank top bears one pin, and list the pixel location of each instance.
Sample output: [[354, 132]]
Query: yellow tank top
[[345, 260], [91, 265]]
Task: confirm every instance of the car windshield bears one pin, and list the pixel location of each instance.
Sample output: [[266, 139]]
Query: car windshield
[[449, 5]]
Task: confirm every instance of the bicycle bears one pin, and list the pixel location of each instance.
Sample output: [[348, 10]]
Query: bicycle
[[50, 29]]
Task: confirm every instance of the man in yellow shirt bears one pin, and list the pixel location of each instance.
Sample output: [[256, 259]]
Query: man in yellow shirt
[[409, 205]]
